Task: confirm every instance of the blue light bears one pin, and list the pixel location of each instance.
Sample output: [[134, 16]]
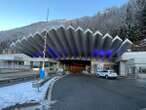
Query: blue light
[[55, 53], [101, 52], [52, 52], [39, 53], [109, 52], [95, 53]]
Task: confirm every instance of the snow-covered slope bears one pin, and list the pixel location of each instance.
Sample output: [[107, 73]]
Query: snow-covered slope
[[22, 93]]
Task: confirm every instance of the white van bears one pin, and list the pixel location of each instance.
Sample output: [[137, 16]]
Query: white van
[[107, 74]]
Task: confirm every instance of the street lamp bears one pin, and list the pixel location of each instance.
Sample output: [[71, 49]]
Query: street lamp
[[45, 46], [44, 53]]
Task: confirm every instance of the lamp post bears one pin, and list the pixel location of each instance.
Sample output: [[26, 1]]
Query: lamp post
[[45, 45], [44, 53]]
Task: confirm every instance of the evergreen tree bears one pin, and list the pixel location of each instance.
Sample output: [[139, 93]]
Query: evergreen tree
[[143, 22]]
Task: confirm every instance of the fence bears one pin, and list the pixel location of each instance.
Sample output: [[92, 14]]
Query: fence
[[13, 68]]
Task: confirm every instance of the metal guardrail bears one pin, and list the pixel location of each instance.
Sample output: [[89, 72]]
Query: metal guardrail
[[8, 81], [17, 79], [42, 82], [3, 66]]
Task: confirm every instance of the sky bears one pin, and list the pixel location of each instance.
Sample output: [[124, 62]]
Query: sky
[[17, 13]]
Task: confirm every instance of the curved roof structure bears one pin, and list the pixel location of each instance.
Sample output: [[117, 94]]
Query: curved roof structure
[[71, 43]]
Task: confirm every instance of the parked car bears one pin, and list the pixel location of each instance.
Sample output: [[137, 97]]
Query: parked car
[[107, 74]]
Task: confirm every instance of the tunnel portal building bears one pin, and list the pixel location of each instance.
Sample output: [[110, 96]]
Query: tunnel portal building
[[75, 49]]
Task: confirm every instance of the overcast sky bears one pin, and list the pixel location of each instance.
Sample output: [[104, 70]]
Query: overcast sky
[[17, 13]]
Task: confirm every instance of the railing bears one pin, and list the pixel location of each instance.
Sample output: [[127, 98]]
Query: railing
[[2, 66], [13, 68]]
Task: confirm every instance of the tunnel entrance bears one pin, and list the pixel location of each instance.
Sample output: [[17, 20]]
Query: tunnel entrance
[[75, 66]]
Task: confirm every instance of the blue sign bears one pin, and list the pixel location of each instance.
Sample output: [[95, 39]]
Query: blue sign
[[42, 73]]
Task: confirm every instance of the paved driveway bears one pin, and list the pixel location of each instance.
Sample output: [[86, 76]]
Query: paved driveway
[[81, 92]]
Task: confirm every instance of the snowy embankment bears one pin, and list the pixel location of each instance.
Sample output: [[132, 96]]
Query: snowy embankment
[[22, 93]]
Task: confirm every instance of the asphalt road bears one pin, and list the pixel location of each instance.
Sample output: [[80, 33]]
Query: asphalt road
[[81, 92]]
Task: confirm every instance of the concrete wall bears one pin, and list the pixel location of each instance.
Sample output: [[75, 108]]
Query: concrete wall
[[123, 69]]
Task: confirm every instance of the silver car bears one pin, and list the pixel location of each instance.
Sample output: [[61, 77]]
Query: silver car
[[107, 74]]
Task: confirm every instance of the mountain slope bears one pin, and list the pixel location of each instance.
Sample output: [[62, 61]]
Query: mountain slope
[[123, 21], [27, 30]]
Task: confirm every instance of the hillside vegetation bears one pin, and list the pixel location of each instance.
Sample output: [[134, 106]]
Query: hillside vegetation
[[127, 21]]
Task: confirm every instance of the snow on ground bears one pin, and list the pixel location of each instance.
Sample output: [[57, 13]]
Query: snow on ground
[[22, 93]]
